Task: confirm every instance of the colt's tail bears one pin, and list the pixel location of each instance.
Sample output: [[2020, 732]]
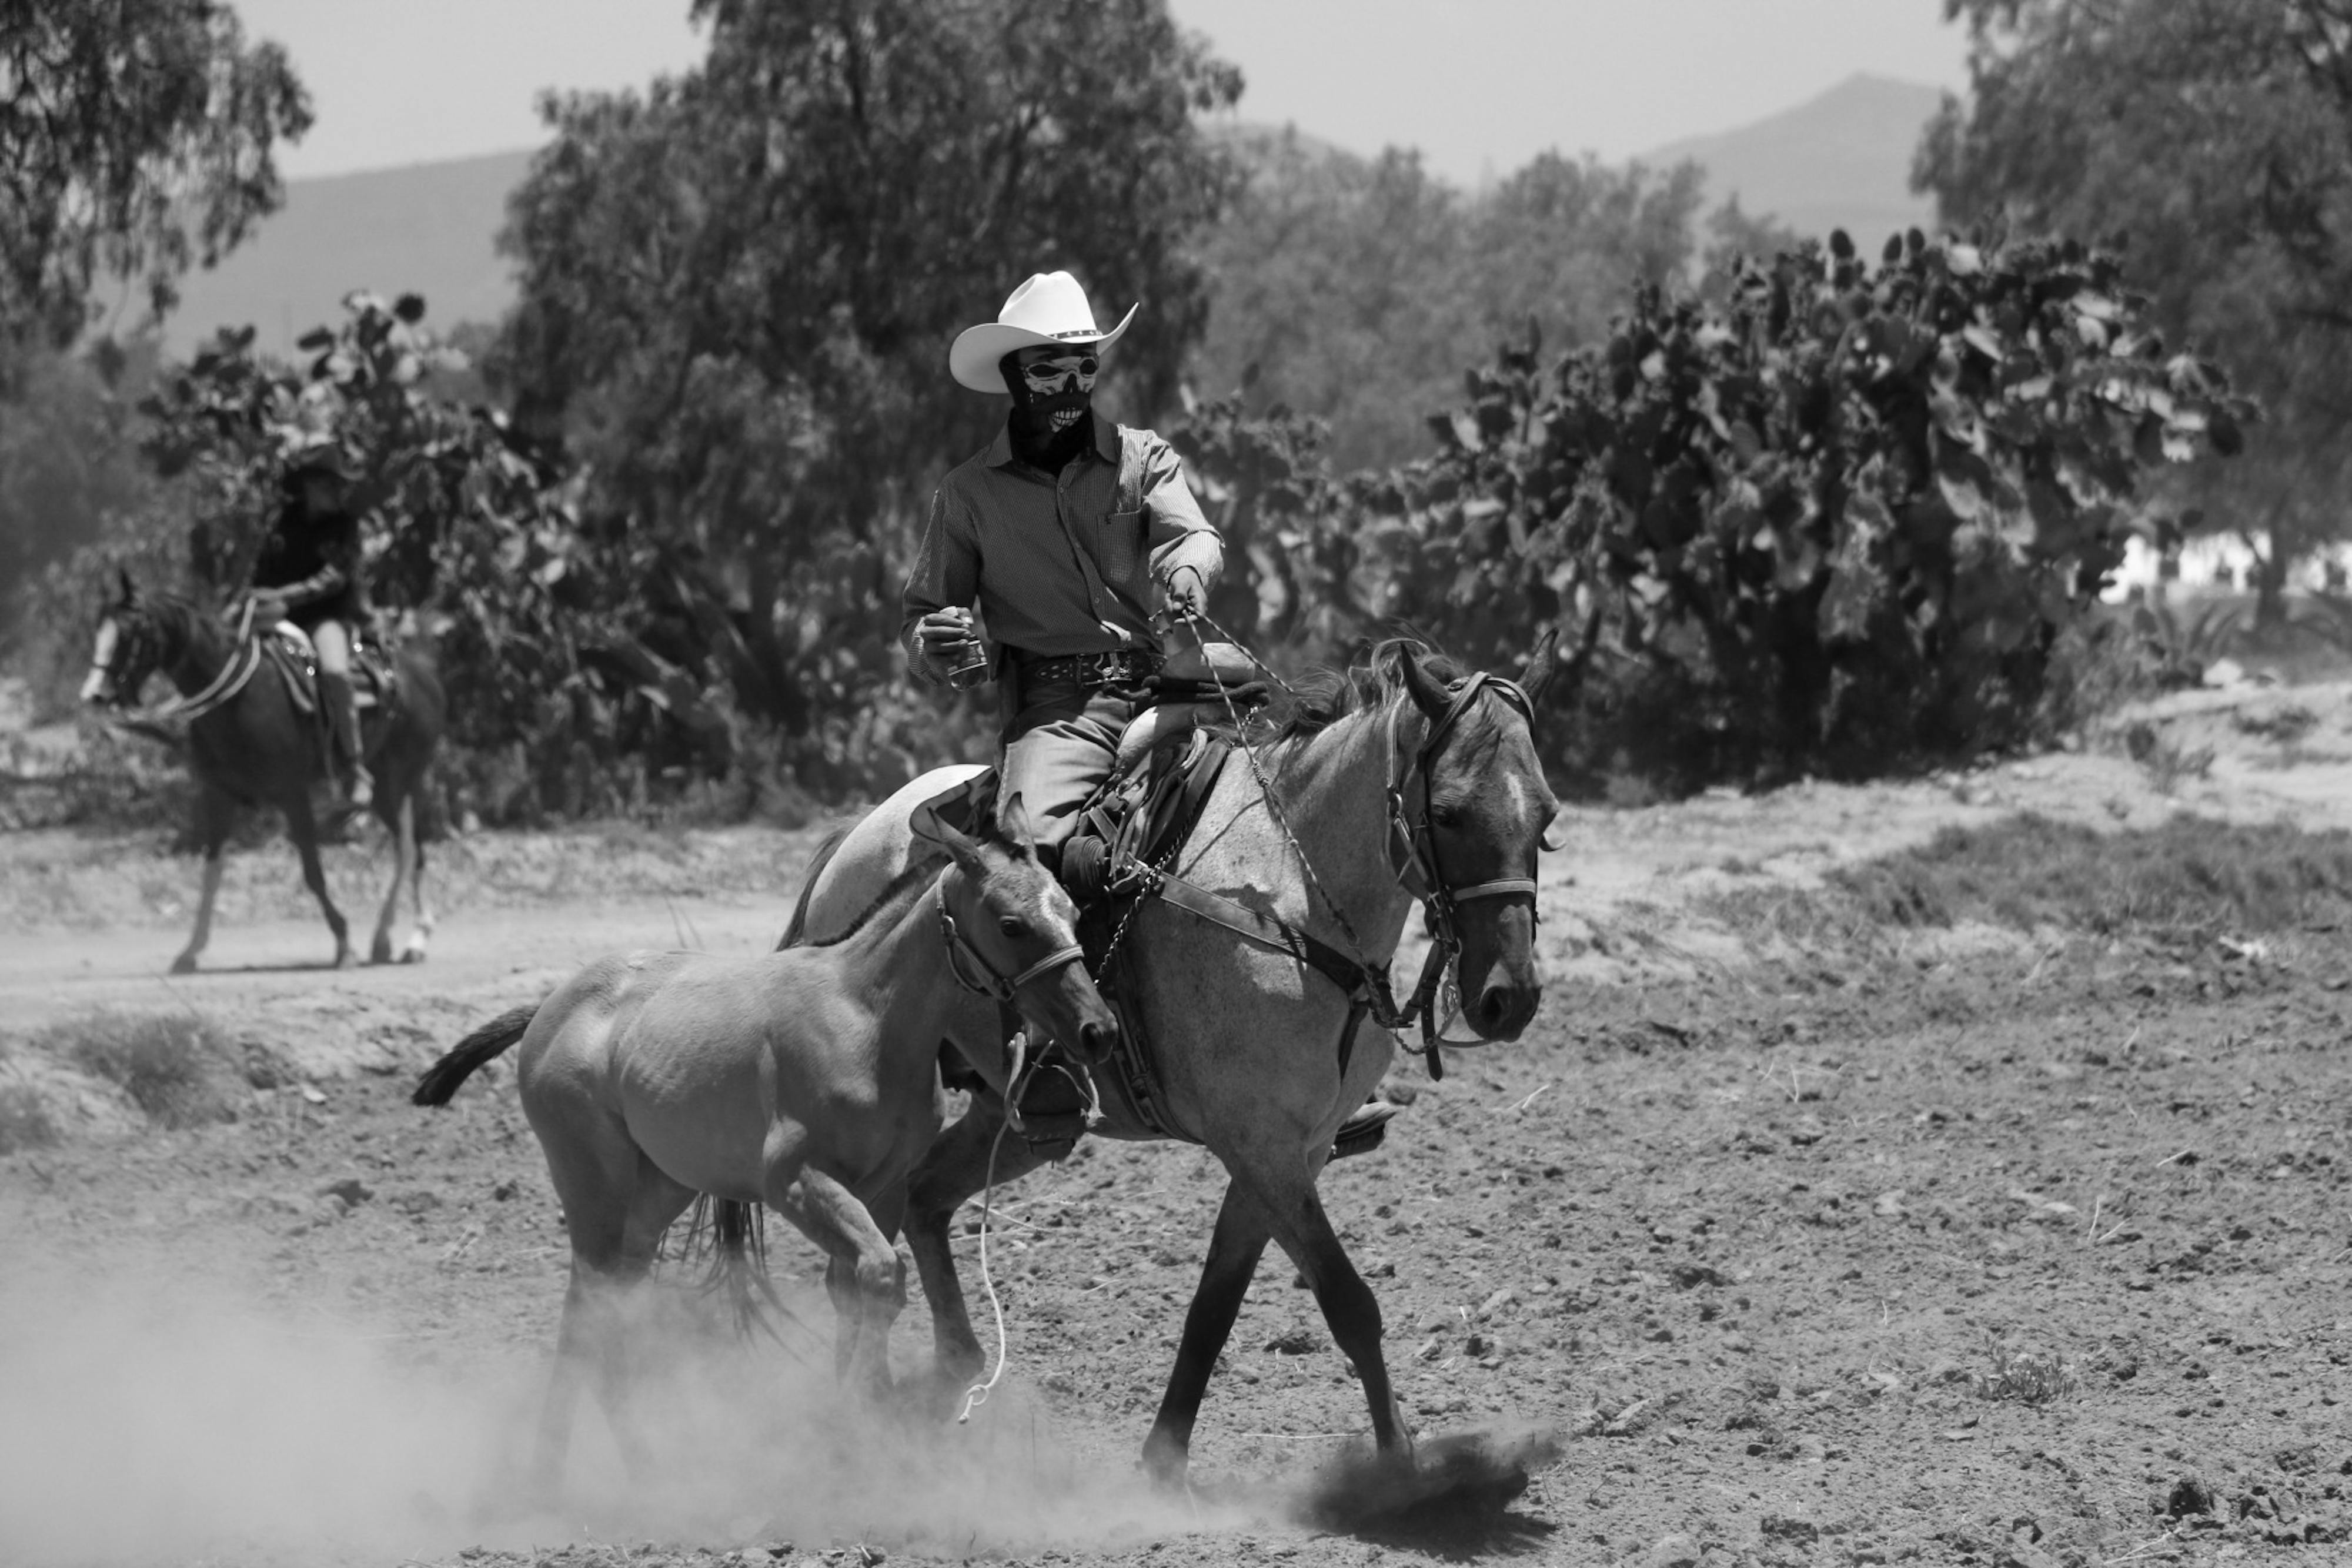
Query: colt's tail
[[736, 1269], [441, 1079], [796, 930]]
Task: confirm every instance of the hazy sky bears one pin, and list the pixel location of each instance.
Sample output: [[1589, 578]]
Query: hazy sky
[[1479, 85]]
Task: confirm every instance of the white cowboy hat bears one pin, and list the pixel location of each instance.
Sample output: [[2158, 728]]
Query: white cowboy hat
[[1050, 308]]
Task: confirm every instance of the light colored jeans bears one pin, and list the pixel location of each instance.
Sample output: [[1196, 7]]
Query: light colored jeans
[[1058, 750]]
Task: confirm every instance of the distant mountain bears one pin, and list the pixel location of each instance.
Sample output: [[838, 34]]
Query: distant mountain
[[1841, 161], [426, 229], [1844, 160]]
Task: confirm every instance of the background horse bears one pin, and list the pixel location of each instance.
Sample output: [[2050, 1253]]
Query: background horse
[[1408, 782], [250, 745], [801, 1079]]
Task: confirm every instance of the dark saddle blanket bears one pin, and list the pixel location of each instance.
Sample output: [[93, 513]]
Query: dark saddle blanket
[[375, 676]]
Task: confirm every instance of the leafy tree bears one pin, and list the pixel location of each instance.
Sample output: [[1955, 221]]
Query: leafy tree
[[1838, 525], [2217, 134], [1359, 287], [738, 289], [136, 138], [68, 459]]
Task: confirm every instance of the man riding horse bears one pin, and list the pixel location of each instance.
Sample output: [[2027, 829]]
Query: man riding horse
[[308, 572], [1079, 543]]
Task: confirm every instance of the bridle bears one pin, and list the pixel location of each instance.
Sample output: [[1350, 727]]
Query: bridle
[[136, 643], [1413, 849], [963, 958]]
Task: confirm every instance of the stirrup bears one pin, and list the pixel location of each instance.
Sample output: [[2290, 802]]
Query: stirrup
[[1366, 1126], [1051, 1107]]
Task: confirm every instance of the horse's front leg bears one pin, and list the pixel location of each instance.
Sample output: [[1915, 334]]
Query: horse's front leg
[[1349, 1308], [955, 1168], [1234, 1247], [401, 820], [216, 813], [863, 1275], [304, 830]]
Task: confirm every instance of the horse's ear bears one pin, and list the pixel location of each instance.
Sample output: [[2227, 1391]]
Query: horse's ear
[[1542, 664], [1427, 695], [1555, 833], [926, 823], [1012, 822], [129, 589]]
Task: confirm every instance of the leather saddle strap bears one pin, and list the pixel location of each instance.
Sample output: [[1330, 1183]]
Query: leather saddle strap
[[1342, 971]]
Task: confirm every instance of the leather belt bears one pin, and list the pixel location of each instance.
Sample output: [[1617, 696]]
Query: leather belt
[[1120, 667]]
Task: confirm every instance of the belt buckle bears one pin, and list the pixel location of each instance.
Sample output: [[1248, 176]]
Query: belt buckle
[[1097, 669]]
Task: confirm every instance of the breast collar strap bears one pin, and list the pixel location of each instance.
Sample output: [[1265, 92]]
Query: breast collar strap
[[964, 959]]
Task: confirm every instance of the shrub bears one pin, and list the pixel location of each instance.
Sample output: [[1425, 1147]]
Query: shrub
[[1837, 526]]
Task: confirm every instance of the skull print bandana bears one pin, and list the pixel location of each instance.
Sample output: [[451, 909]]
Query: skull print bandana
[[1051, 396]]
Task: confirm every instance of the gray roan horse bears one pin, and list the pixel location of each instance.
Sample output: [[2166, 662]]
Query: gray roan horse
[[250, 745], [1407, 782], [803, 1078]]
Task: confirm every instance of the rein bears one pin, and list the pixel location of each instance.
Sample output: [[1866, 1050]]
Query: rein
[[235, 672]]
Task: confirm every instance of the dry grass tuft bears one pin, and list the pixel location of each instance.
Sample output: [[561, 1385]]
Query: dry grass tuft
[[24, 1120], [2193, 874], [175, 1066], [2026, 1377]]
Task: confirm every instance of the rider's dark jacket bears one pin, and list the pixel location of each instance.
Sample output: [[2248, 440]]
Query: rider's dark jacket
[[314, 563]]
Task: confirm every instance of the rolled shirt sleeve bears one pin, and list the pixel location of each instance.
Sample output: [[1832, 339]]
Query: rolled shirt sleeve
[[1177, 533], [946, 573]]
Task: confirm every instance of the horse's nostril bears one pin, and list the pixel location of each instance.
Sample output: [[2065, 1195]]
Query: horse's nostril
[[1097, 1038]]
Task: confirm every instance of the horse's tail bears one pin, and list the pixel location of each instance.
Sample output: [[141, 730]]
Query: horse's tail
[[796, 929], [441, 1079], [736, 1269]]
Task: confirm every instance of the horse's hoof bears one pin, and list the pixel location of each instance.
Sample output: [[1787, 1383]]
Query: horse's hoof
[[185, 964], [346, 960], [1166, 1463], [413, 954], [381, 952]]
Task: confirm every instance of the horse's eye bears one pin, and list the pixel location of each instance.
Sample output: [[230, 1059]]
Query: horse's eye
[[1012, 925], [1445, 816]]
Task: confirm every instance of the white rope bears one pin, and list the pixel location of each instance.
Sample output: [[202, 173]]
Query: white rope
[[977, 1395]]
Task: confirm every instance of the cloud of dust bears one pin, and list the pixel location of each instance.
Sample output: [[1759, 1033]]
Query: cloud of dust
[[145, 1419]]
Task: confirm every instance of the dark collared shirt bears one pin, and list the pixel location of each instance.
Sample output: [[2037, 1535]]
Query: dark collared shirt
[[1053, 565]]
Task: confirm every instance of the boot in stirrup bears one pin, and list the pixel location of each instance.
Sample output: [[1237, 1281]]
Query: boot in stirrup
[[342, 705]]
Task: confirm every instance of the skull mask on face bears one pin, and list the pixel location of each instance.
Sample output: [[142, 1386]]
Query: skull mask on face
[[1052, 388]]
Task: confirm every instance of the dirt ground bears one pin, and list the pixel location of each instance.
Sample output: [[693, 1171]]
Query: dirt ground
[[1947, 1245]]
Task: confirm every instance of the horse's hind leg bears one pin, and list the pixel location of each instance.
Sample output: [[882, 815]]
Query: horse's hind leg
[[957, 1167], [214, 814], [304, 830], [616, 1204], [1234, 1247]]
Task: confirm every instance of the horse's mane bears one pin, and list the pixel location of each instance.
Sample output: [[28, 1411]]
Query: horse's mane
[[174, 612], [916, 878], [1329, 692]]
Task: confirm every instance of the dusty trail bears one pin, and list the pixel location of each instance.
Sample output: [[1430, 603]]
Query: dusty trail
[[2013, 1251]]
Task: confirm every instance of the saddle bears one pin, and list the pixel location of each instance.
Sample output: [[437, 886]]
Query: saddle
[[1130, 833], [375, 679]]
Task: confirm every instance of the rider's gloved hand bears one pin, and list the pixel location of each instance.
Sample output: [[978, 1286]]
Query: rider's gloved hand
[[268, 609], [945, 635]]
